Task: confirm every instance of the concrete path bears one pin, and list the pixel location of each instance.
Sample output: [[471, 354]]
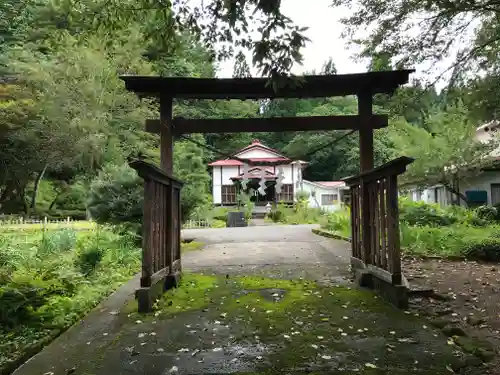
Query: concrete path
[[276, 251], [285, 251]]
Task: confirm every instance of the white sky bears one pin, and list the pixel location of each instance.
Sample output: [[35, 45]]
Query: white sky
[[325, 40]]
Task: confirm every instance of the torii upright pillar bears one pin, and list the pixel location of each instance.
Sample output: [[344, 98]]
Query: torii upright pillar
[[172, 200], [365, 101]]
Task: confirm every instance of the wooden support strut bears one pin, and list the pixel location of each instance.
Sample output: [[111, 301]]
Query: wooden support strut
[[166, 165], [165, 130], [366, 164], [365, 102]]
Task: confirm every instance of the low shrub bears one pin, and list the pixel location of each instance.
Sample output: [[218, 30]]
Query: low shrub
[[488, 213], [220, 213], [278, 213], [88, 259], [19, 301], [455, 240], [302, 195], [425, 240], [300, 213], [58, 241], [60, 215], [49, 280], [246, 205], [218, 224], [486, 249], [338, 221], [424, 214]]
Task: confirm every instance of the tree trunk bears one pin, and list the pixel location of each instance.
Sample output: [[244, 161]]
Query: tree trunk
[[3, 195], [53, 203], [36, 186], [453, 190], [7, 193], [27, 207]]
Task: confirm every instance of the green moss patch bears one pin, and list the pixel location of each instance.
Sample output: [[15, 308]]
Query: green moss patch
[[480, 348], [330, 234], [191, 246], [296, 326]]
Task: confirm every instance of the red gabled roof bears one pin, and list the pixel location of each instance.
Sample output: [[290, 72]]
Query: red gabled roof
[[232, 162], [255, 144], [229, 162], [330, 183]]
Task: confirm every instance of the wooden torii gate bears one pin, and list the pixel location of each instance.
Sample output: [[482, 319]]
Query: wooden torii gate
[[375, 234]]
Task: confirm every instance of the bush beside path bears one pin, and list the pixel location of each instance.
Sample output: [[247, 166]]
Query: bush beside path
[[50, 279]]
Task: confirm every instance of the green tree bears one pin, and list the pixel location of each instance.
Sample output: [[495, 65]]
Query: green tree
[[71, 110], [224, 28], [417, 31], [466, 33], [445, 150], [116, 197], [190, 168]]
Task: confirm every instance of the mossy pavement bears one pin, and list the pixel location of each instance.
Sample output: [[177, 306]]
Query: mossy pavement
[[270, 323], [253, 325]]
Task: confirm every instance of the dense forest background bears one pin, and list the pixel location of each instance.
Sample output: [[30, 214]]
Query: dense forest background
[[68, 126]]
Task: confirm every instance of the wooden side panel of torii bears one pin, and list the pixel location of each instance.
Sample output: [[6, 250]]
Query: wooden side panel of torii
[[375, 234]]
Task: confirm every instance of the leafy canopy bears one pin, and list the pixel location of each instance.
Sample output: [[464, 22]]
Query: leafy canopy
[[444, 150]]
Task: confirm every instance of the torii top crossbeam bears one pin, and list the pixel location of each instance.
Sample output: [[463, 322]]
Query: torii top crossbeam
[[311, 86], [363, 85]]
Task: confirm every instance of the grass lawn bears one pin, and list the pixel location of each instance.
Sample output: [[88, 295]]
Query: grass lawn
[[37, 227]]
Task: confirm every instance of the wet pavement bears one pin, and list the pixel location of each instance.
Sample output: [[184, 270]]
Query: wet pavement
[[239, 311], [284, 251]]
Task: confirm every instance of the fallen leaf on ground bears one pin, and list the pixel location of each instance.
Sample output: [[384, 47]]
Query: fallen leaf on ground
[[407, 340]]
